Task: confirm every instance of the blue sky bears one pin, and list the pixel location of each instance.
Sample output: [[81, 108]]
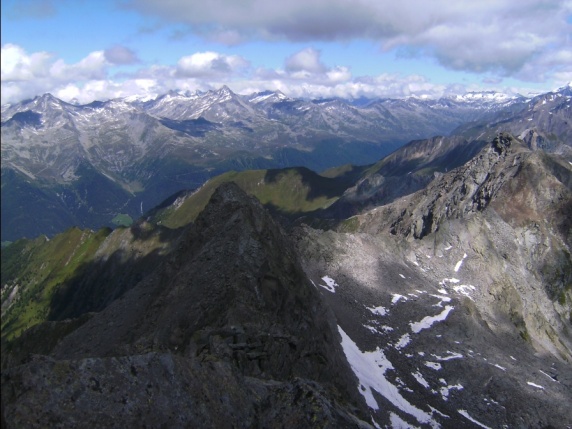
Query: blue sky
[[100, 49]]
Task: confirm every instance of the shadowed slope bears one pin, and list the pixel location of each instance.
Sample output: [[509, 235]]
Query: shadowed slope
[[228, 332]]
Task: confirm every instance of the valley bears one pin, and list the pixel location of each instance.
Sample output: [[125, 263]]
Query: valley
[[90, 163]]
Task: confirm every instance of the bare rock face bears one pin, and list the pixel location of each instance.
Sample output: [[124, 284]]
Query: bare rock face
[[228, 332], [467, 189], [461, 292]]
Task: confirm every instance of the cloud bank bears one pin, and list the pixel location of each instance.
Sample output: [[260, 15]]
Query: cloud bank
[[304, 74], [525, 40], [507, 37]]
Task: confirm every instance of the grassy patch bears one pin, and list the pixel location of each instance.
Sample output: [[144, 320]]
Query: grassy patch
[[33, 269], [291, 192], [122, 220]]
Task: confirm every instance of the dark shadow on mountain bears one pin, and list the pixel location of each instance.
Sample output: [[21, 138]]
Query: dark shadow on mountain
[[25, 118], [241, 125], [193, 127], [318, 186], [100, 282]]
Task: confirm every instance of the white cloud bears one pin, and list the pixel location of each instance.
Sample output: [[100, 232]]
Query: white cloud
[[306, 60], [26, 75], [17, 65], [556, 63], [210, 64], [499, 36], [94, 66], [339, 74]]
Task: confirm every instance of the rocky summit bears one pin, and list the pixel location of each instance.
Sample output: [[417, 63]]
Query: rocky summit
[[227, 332], [442, 303]]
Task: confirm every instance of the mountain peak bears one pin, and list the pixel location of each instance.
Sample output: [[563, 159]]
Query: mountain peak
[[225, 90], [47, 96], [461, 192], [231, 305], [267, 96]]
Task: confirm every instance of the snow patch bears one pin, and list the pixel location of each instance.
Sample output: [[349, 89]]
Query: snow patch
[[370, 369], [371, 328], [417, 375], [460, 263], [397, 297], [549, 376], [468, 417], [433, 365], [330, 285], [464, 290], [398, 423], [435, 410], [446, 389], [530, 383], [442, 299], [452, 355], [428, 321], [380, 311], [403, 341]]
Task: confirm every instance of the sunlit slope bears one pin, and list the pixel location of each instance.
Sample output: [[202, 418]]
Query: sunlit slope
[[290, 192]]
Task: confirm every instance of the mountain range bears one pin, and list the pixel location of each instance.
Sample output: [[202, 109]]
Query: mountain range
[[429, 287], [106, 163], [444, 302]]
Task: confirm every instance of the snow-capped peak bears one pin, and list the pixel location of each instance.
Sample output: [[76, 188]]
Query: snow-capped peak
[[484, 96], [140, 98], [273, 96]]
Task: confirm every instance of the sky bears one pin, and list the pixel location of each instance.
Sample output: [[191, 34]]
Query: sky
[[85, 50]]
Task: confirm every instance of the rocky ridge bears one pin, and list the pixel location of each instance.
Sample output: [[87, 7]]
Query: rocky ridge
[[228, 332], [462, 292]]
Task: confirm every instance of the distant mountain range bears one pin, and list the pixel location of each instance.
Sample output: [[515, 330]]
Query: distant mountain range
[[104, 162]]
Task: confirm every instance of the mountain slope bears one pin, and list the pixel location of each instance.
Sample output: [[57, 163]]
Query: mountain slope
[[290, 193], [461, 292], [448, 307], [227, 332], [543, 122], [403, 172]]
